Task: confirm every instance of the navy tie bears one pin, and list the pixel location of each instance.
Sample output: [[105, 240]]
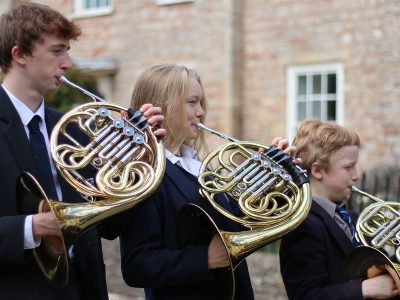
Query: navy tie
[[344, 214], [41, 156]]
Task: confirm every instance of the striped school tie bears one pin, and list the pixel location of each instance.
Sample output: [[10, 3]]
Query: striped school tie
[[344, 214]]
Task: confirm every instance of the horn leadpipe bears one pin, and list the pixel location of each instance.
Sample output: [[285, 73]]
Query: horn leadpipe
[[86, 92], [358, 191], [221, 135]]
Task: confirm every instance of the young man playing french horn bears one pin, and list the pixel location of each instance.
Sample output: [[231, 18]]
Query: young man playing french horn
[[34, 45]]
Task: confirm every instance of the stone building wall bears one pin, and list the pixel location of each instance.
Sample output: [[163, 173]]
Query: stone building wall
[[242, 49], [141, 33], [5, 5], [362, 35]]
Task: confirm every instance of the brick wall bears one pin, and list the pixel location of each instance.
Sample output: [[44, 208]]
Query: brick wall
[[362, 35], [242, 49]]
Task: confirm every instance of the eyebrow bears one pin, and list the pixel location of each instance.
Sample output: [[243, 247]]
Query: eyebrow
[[60, 45]]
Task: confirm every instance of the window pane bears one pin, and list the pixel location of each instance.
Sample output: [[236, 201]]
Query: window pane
[[312, 92], [331, 111], [301, 109], [331, 83], [302, 85], [96, 3], [317, 84], [316, 109]]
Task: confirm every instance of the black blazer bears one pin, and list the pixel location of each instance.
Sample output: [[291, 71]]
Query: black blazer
[[312, 259], [151, 257], [20, 278]]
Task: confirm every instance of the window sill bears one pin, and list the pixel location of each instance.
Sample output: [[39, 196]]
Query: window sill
[[92, 13], [170, 2]]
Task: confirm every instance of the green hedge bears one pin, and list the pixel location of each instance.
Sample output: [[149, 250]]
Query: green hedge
[[67, 97]]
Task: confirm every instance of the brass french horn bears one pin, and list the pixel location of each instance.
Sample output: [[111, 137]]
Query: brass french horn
[[272, 193], [378, 233], [128, 162]]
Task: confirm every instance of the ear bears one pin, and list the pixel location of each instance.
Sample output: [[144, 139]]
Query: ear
[[18, 55], [316, 170]]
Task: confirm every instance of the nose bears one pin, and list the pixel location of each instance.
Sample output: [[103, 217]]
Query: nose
[[200, 112], [66, 63], [356, 174]]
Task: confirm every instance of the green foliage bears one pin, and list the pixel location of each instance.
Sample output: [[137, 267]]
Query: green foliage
[[68, 97]]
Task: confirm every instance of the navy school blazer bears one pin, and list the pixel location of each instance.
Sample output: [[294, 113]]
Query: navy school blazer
[[151, 257], [312, 259]]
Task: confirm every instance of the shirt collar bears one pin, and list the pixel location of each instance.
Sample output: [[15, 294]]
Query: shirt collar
[[328, 206], [186, 152], [24, 111], [171, 157]]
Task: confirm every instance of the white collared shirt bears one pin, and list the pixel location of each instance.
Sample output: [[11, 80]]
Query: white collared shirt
[[26, 116], [189, 160]]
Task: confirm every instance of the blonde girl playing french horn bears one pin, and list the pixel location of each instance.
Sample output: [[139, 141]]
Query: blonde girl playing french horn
[[151, 257]]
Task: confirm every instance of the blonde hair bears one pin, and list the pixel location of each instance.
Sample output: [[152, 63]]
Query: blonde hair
[[165, 86], [317, 141]]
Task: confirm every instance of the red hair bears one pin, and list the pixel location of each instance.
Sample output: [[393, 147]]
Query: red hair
[[317, 141], [25, 25]]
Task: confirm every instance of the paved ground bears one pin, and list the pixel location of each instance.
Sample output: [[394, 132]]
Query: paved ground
[[264, 270]]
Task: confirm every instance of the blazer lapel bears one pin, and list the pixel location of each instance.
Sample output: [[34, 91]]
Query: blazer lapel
[[183, 183], [339, 236], [189, 188], [15, 134]]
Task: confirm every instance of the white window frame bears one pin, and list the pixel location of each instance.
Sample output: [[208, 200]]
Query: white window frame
[[169, 2], [292, 73], [80, 11]]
